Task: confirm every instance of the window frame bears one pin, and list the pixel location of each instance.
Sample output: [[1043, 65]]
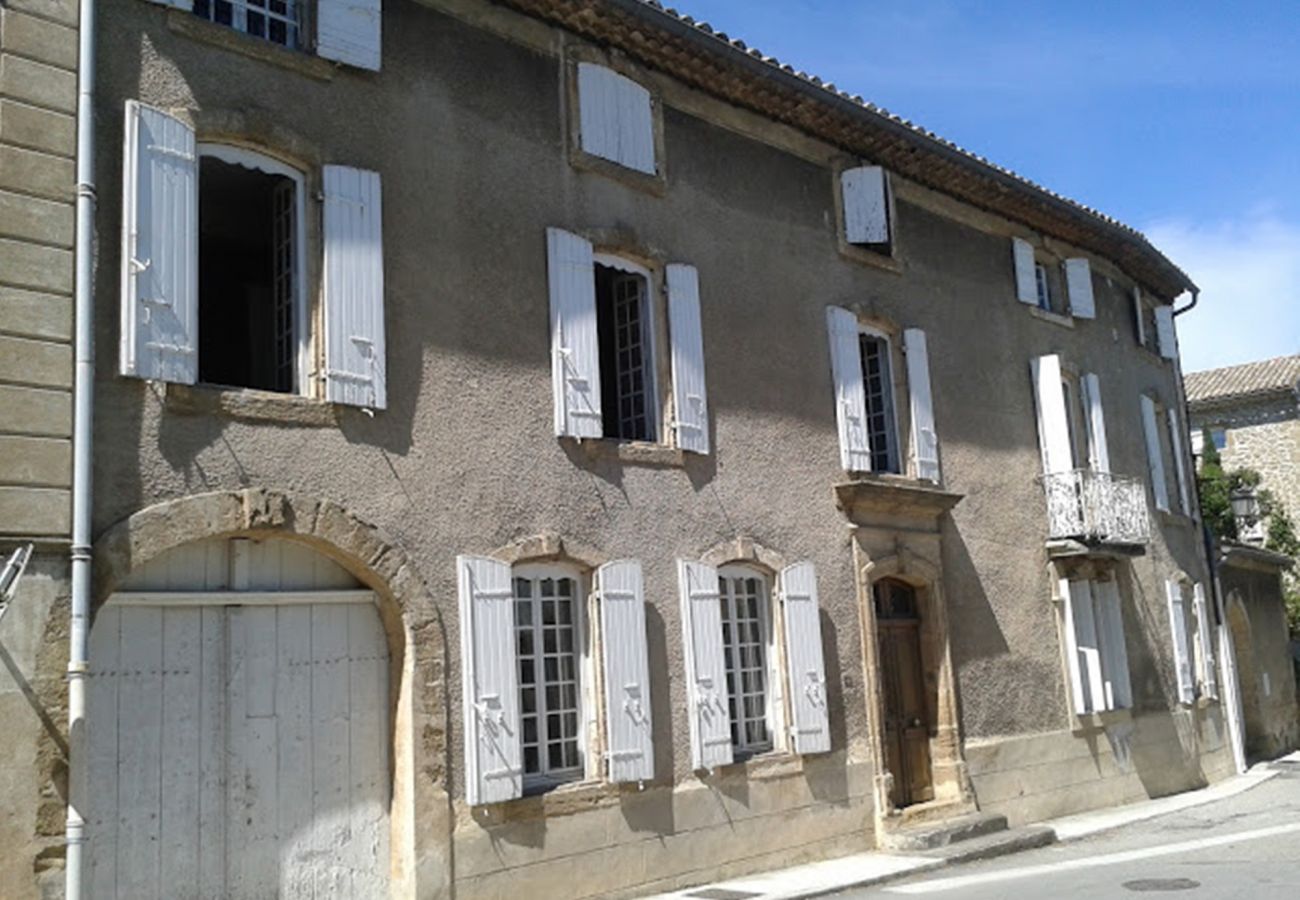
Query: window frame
[[1105, 654], [305, 40], [248, 158], [656, 413], [773, 670], [900, 466]]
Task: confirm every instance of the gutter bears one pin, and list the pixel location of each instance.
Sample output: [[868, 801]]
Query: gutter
[[1196, 295], [83, 397]]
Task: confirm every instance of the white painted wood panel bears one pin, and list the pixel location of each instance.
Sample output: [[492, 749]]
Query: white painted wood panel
[[139, 756], [706, 673], [182, 637], [690, 399], [1098, 449], [1155, 457], [1165, 332], [925, 438], [212, 726], [805, 666], [850, 395], [1186, 682], [1078, 285], [1053, 426], [628, 727], [866, 205], [615, 118], [293, 714], [1022, 253], [575, 343], [348, 31]]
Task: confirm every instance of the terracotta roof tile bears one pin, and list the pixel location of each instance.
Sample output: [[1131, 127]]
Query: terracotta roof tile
[[1263, 377]]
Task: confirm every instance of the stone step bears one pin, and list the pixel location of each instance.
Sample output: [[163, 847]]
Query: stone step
[[943, 834], [1000, 843]]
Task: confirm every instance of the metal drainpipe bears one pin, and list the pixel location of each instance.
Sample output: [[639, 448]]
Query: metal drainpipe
[[83, 396]]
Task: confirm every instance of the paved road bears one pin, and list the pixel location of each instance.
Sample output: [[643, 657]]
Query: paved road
[[1246, 847]]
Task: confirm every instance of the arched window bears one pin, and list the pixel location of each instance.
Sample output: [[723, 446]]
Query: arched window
[[747, 643], [895, 599]]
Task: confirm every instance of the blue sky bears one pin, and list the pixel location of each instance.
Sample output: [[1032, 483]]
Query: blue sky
[[1180, 119]]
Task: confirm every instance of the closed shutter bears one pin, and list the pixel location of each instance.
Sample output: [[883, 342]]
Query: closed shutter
[[615, 118], [160, 248], [355, 354], [490, 681], [628, 728], [1180, 467], [706, 671], [347, 31], [1114, 652], [1083, 646], [925, 440], [1182, 645], [575, 343], [1165, 331], [1078, 282], [1155, 459], [1139, 322], [1098, 451], [1205, 628], [866, 205], [806, 669], [1053, 426], [1026, 278], [690, 403], [850, 395]]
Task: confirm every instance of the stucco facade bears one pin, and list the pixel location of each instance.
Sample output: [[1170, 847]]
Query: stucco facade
[[468, 123]]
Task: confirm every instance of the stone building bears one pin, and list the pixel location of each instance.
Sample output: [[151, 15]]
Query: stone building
[[546, 444]]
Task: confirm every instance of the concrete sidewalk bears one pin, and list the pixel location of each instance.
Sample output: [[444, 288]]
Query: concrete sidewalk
[[863, 869]]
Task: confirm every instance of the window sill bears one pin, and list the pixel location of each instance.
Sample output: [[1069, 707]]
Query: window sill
[[1054, 317], [563, 800], [248, 405], [654, 184], [869, 257], [772, 764], [1090, 723], [635, 453], [227, 38]]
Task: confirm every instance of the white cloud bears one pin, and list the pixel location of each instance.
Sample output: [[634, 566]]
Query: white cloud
[[1248, 269]]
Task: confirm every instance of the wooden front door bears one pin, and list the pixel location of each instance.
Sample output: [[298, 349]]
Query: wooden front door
[[906, 719]]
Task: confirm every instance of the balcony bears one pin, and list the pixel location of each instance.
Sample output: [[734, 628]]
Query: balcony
[[1096, 508]]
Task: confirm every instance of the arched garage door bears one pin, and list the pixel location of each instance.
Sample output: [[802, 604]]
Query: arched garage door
[[238, 729]]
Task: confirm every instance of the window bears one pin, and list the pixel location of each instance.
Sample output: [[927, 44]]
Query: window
[[1164, 455], [1044, 287], [1144, 321], [549, 641], [1075, 419], [278, 21], [1220, 438], [746, 643], [864, 196], [1045, 282], [1192, 630], [1097, 660], [615, 118], [878, 388], [623, 322]]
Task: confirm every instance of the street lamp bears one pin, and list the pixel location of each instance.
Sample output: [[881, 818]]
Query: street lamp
[[1245, 509]]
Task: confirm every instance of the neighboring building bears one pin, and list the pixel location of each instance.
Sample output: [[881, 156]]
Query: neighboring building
[[38, 96], [1252, 413], [555, 448]]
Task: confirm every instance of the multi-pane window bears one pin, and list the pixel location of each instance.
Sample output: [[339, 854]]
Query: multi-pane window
[[278, 21], [878, 383], [1044, 287], [623, 323], [746, 631], [547, 641]]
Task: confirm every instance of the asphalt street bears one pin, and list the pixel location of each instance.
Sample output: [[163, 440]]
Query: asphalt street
[[1246, 846]]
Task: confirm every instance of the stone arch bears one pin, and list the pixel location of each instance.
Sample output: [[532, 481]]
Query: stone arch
[[421, 825], [745, 550], [549, 547]]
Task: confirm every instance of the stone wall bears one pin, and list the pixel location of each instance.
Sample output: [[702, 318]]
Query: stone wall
[[1263, 435]]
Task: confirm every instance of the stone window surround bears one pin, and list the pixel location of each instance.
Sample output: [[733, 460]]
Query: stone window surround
[[1093, 566], [889, 262], [187, 24]]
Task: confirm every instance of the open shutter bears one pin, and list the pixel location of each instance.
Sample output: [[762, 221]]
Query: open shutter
[[1165, 331], [1155, 459], [925, 440], [1139, 323], [850, 395], [1114, 652], [490, 681], [347, 31], [615, 118], [805, 667], [575, 344], [690, 403], [355, 353], [1053, 426], [160, 248], [1205, 628], [1084, 647], [1182, 645], [866, 205], [1180, 467], [1026, 278], [628, 731], [1078, 283], [1098, 451], [706, 672]]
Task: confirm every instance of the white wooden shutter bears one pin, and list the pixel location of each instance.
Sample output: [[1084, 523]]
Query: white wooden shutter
[[850, 394], [1205, 628], [1155, 459], [690, 402], [1114, 652], [1053, 426], [1139, 322], [925, 439], [1026, 278], [1165, 331], [1084, 647], [160, 248], [1182, 645], [355, 352], [347, 31], [1078, 283], [490, 681], [1098, 451], [866, 205], [1180, 468], [706, 672], [805, 667], [575, 342], [615, 119], [628, 728]]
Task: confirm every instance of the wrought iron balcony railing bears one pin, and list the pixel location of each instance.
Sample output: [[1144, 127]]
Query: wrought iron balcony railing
[[1097, 507]]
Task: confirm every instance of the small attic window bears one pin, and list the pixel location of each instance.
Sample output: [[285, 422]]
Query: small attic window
[[864, 194]]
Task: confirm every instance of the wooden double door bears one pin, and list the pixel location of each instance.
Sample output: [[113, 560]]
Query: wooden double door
[[906, 731]]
